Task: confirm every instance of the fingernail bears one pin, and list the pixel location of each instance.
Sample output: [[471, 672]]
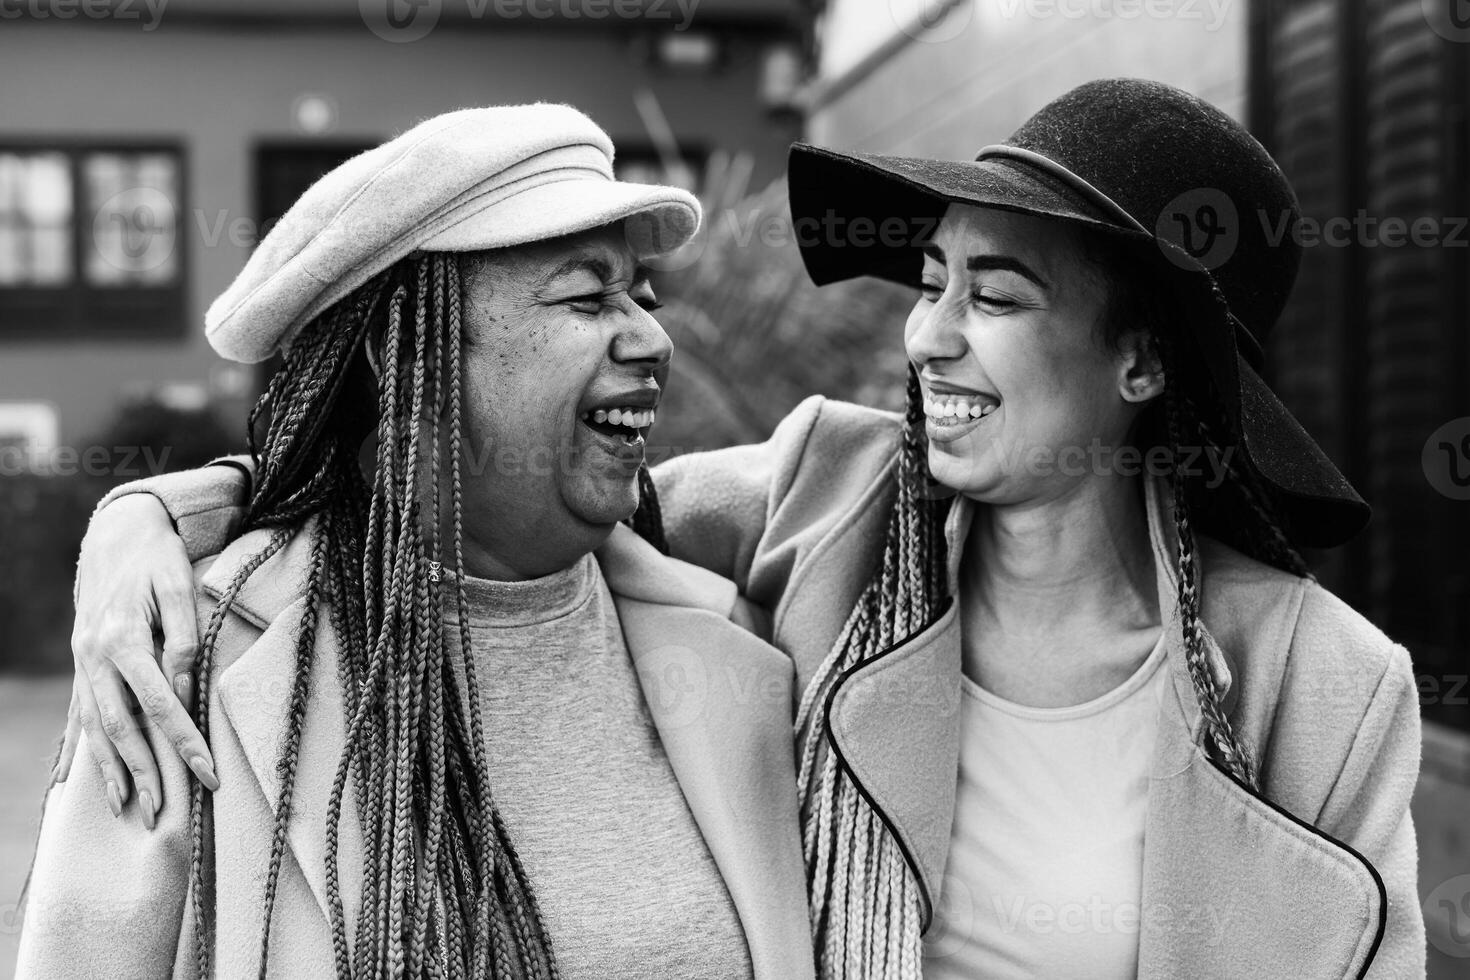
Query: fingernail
[[114, 799], [183, 687], [205, 772], [145, 800]]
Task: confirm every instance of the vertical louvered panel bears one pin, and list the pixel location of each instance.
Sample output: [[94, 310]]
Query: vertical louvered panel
[[1363, 106], [1306, 353], [1409, 377]]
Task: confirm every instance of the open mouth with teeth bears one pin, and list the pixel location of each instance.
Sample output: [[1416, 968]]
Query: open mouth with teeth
[[627, 424], [947, 410]]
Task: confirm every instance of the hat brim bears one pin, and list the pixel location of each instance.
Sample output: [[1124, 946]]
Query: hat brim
[[657, 219], [865, 214], [835, 194], [1321, 508]]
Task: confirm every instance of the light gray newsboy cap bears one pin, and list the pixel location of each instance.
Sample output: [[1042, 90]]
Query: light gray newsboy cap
[[461, 182]]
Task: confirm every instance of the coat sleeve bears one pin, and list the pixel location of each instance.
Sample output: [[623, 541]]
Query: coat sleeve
[[207, 505], [1368, 809], [717, 505], [107, 896]]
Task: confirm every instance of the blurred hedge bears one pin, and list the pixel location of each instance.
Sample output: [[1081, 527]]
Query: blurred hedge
[[41, 520], [44, 512]]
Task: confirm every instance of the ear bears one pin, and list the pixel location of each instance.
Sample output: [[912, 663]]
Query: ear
[[1140, 370]]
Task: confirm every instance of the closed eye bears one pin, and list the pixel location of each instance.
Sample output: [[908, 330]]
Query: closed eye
[[994, 302], [595, 302]]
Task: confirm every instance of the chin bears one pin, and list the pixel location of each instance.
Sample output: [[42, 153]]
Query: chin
[[606, 502], [962, 474]]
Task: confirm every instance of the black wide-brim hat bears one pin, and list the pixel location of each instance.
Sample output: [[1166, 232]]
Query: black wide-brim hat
[[1166, 173]]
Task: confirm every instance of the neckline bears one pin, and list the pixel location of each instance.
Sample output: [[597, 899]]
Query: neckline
[[1137, 681], [496, 604]]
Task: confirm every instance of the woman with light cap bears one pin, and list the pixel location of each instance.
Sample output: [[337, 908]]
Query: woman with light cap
[[1055, 719], [449, 726]]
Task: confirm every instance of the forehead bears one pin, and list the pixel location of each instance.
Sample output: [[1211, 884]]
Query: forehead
[[604, 250], [1050, 247], [520, 272]]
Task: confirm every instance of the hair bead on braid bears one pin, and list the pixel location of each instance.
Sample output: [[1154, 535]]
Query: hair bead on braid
[[444, 893]]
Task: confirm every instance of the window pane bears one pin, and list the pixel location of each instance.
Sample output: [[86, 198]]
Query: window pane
[[134, 199], [35, 219]]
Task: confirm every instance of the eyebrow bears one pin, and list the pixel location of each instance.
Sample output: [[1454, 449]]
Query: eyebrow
[[599, 266], [991, 263]]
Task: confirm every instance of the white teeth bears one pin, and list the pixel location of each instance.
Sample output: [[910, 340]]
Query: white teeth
[[956, 407], [632, 418]]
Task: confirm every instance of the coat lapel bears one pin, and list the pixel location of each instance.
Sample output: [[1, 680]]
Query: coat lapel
[[722, 700], [894, 721], [255, 695], [720, 697], [1234, 885]]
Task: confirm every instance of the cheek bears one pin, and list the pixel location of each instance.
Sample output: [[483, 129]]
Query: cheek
[[912, 324]]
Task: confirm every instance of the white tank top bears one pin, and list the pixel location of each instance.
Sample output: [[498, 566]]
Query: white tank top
[[1045, 865]]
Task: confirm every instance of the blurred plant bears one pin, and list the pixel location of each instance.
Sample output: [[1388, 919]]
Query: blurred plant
[[753, 336], [176, 437]]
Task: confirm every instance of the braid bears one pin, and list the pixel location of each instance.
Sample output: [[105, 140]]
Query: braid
[[648, 520], [1221, 737], [865, 901], [444, 892]]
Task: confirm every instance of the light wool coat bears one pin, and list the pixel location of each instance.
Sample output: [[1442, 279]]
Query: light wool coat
[[110, 899], [1312, 878]]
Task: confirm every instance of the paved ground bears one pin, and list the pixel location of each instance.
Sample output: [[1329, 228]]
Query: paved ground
[[32, 712]]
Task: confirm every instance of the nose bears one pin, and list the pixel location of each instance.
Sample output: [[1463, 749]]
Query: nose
[[641, 340], [933, 332]]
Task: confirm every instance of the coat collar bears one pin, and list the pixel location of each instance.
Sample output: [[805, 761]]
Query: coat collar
[[720, 698], [1222, 864]]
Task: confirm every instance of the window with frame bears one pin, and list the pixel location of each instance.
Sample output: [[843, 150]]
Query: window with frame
[[91, 241]]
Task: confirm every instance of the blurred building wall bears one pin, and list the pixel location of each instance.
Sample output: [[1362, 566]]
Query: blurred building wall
[[1365, 107], [983, 66], [221, 86]]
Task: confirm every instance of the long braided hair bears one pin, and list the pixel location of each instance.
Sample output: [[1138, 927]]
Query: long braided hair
[[865, 900], [444, 894]]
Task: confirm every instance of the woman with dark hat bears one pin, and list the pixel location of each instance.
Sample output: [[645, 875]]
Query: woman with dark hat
[[1072, 704]]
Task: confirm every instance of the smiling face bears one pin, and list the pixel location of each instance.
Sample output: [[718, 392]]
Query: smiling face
[[1008, 342], [564, 366]]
